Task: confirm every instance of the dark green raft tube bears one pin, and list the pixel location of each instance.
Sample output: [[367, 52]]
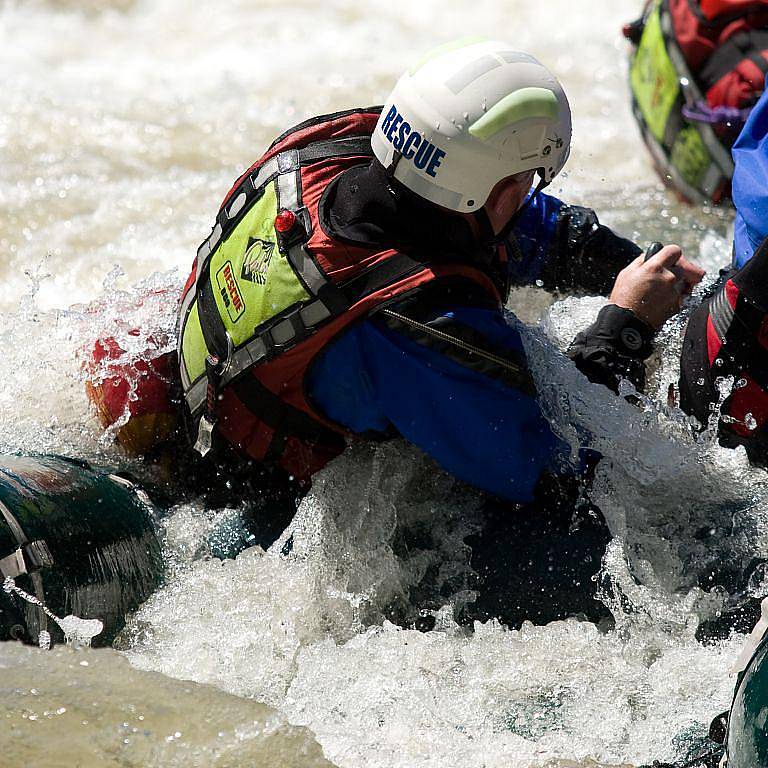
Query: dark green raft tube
[[739, 738], [76, 538]]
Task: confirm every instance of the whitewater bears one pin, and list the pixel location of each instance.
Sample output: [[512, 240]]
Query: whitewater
[[122, 125]]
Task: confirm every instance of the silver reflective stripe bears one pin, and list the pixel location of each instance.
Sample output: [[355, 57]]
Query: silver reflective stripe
[[185, 380], [307, 268], [264, 173], [215, 237], [253, 352], [205, 250], [288, 160], [236, 206], [288, 197], [196, 394], [283, 332], [314, 313], [721, 313], [242, 359], [288, 191]]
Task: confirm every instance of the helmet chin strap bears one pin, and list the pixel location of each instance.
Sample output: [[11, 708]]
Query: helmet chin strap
[[490, 238]]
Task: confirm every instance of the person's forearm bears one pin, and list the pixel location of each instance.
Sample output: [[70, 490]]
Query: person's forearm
[[586, 256]]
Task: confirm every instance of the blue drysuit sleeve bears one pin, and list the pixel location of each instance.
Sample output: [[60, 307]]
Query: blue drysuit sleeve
[[750, 184], [533, 235], [563, 247], [478, 428]]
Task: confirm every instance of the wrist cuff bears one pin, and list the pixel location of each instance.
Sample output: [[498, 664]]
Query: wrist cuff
[[624, 330]]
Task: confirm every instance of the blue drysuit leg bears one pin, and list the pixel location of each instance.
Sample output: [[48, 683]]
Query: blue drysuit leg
[[478, 428]]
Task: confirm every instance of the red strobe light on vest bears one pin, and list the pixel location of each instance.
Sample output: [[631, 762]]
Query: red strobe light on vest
[[285, 221]]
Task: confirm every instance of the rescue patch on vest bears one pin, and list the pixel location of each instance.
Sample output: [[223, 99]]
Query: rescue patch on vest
[[256, 260], [230, 293]]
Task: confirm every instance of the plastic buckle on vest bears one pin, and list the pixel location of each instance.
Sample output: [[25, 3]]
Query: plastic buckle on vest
[[288, 161], [214, 370]]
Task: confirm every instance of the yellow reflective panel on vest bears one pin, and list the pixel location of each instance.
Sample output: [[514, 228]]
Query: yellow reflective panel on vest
[[193, 347], [653, 78], [690, 156], [252, 280]]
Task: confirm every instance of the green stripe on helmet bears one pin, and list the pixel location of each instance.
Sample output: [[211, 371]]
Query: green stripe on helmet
[[454, 45], [523, 104]]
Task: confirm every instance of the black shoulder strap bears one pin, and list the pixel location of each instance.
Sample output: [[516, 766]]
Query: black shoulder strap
[[319, 119], [742, 46]]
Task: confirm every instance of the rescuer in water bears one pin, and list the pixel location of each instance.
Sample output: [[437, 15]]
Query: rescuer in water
[[353, 287]]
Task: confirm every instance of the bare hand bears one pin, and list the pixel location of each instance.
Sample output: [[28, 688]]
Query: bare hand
[[654, 289]]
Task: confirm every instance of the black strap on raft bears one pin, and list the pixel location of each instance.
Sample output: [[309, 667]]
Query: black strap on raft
[[28, 559], [30, 556], [746, 45]]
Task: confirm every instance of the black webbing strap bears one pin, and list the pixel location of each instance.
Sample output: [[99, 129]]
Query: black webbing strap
[[211, 323], [744, 45], [337, 299], [327, 118], [345, 147], [284, 419], [390, 271]]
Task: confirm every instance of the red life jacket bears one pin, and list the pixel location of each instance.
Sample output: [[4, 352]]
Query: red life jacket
[[257, 395], [725, 44]]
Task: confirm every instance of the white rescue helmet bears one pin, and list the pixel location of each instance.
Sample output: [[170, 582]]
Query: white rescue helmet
[[468, 115]]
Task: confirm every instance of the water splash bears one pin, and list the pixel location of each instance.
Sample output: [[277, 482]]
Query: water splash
[[78, 633]]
